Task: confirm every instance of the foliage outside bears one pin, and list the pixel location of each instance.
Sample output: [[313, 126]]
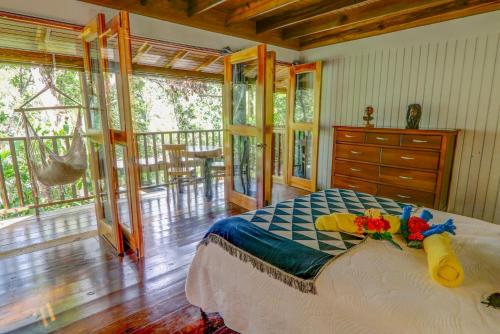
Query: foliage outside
[[159, 104]]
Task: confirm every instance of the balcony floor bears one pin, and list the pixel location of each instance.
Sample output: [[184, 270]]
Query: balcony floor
[[81, 286]]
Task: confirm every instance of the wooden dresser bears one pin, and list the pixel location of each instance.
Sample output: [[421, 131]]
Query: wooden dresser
[[406, 165]]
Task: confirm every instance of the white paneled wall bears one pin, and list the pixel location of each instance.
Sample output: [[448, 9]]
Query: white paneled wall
[[457, 82]]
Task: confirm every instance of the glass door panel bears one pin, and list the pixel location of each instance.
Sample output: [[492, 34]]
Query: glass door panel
[[302, 153], [303, 125], [303, 110], [245, 140], [245, 165]]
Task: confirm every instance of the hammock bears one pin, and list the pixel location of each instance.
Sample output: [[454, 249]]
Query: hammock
[[49, 168]]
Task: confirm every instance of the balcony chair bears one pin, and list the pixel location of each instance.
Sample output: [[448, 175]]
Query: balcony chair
[[180, 168]]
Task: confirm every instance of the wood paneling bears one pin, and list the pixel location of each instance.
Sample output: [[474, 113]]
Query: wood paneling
[[457, 83]]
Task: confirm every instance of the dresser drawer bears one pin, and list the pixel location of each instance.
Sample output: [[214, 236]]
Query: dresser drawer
[[351, 136], [412, 159], [348, 183], [364, 171], [361, 153], [423, 141], [407, 195], [382, 138], [408, 178]]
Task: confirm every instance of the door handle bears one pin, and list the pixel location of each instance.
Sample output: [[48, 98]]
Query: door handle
[[407, 158], [349, 136], [355, 152], [405, 177], [355, 169], [352, 186], [381, 138], [403, 196], [419, 141]]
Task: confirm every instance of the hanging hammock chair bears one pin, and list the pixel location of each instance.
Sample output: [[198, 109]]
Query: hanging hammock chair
[[51, 169]]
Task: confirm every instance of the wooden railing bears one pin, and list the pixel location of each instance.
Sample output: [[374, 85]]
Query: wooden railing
[[16, 176], [152, 156]]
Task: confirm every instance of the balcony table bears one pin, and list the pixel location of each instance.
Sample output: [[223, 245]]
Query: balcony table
[[208, 154]]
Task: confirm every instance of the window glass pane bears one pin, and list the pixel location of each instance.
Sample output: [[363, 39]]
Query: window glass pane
[[113, 89], [302, 154], [244, 93], [121, 174], [91, 86], [279, 115], [304, 98], [244, 165], [102, 183]]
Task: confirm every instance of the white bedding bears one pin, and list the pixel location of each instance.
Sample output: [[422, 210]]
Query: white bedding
[[374, 288]]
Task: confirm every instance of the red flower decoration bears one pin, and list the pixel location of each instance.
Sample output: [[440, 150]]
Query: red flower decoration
[[417, 224], [417, 236], [378, 224]]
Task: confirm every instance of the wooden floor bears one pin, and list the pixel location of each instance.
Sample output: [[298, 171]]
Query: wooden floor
[[81, 287]]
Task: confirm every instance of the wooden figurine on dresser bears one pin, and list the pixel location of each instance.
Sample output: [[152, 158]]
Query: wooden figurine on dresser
[[408, 165]]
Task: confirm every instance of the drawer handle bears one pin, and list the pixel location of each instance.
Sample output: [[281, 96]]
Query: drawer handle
[[404, 157], [355, 152], [352, 186], [381, 138], [403, 196], [419, 141], [355, 169], [405, 177], [349, 136]]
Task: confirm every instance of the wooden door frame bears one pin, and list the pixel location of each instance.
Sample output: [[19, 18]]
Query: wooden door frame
[[268, 126], [313, 127], [258, 131], [94, 31], [120, 24]]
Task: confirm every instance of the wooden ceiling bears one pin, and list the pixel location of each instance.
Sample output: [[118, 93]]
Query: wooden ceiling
[[40, 42], [303, 24]]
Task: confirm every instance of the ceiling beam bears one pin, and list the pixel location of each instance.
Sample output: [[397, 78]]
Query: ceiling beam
[[178, 56], [40, 58], [143, 49], [212, 20], [443, 12], [297, 16], [199, 6], [358, 16], [254, 9], [207, 63], [175, 73]]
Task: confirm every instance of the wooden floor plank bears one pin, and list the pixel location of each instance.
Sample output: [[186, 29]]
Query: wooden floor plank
[[83, 287]]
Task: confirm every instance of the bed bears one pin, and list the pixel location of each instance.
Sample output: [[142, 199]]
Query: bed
[[372, 288]]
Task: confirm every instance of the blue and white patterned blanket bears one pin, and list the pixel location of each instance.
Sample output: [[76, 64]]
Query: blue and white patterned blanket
[[294, 219]]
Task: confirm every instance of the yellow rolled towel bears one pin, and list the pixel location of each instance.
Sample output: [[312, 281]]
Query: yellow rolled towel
[[344, 222], [444, 265], [395, 222], [337, 222]]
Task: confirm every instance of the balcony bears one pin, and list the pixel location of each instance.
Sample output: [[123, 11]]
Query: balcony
[[28, 222]]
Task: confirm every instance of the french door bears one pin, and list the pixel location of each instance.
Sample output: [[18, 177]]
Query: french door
[[304, 96], [248, 95], [107, 60]]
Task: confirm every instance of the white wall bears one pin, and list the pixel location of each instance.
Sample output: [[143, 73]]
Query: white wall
[[76, 12], [453, 70]]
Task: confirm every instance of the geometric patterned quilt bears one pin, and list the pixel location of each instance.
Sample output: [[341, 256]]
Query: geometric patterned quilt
[[294, 219]]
